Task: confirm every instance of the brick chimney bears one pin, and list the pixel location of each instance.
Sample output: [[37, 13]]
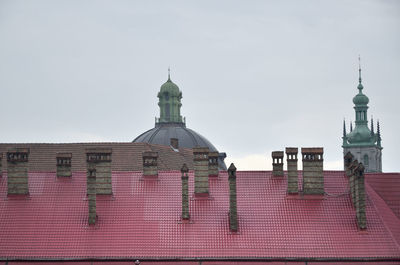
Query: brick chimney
[[277, 163], [213, 164], [17, 171], [150, 168], [63, 164], [348, 159], [1, 164], [233, 222], [200, 157], [291, 158], [352, 167], [185, 192], [174, 143], [359, 185], [313, 164], [91, 192], [100, 159]]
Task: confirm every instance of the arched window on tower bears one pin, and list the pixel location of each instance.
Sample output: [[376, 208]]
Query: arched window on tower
[[167, 111], [366, 160]]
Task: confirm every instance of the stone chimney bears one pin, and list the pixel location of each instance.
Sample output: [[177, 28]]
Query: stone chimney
[[213, 164], [233, 222], [100, 159], [200, 157], [91, 192], [277, 163], [352, 167], [64, 164], [185, 192], [291, 157], [150, 168], [17, 171], [313, 177], [348, 159], [174, 143], [359, 185]]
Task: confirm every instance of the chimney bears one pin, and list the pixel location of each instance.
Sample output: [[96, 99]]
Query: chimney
[[352, 167], [150, 168], [63, 164], [348, 159], [233, 222], [91, 192], [17, 171], [213, 164], [360, 196], [174, 143], [313, 177], [291, 157], [277, 163], [1, 164], [185, 192], [100, 159], [200, 157]]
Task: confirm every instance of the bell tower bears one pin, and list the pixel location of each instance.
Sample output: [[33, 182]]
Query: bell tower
[[362, 142]]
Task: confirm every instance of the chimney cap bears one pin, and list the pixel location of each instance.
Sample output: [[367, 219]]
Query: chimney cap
[[359, 169], [213, 154], [184, 168], [312, 150], [199, 149], [349, 155], [277, 153], [98, 150], [292, 150], [18, 150], [64, 155], [232, 171], [150, 154]]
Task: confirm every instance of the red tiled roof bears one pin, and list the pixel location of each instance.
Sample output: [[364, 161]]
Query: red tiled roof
[[142, 221], [388, 187], [125, 156]]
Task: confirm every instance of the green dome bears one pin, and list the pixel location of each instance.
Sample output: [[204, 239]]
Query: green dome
[[360, 99], [170, 87], [361, 134]]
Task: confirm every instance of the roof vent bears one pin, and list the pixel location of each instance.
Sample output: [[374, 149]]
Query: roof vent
[[17, 171]]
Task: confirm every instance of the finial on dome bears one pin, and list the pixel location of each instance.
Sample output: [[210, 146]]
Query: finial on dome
[[360, 86], [169, 74]]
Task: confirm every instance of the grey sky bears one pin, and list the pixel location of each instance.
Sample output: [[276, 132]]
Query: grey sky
[[256, 76]]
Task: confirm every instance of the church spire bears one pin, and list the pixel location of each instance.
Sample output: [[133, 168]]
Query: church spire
[[351, 126], [372, 125], [379, 135], [344, 128]]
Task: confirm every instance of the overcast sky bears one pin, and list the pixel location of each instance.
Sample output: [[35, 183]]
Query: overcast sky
[[256, 76]]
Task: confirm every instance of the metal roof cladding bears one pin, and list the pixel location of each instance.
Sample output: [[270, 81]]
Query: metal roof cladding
[[141, 220]]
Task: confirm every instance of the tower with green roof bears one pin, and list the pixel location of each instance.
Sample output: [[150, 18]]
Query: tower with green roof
[[363, 142]]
